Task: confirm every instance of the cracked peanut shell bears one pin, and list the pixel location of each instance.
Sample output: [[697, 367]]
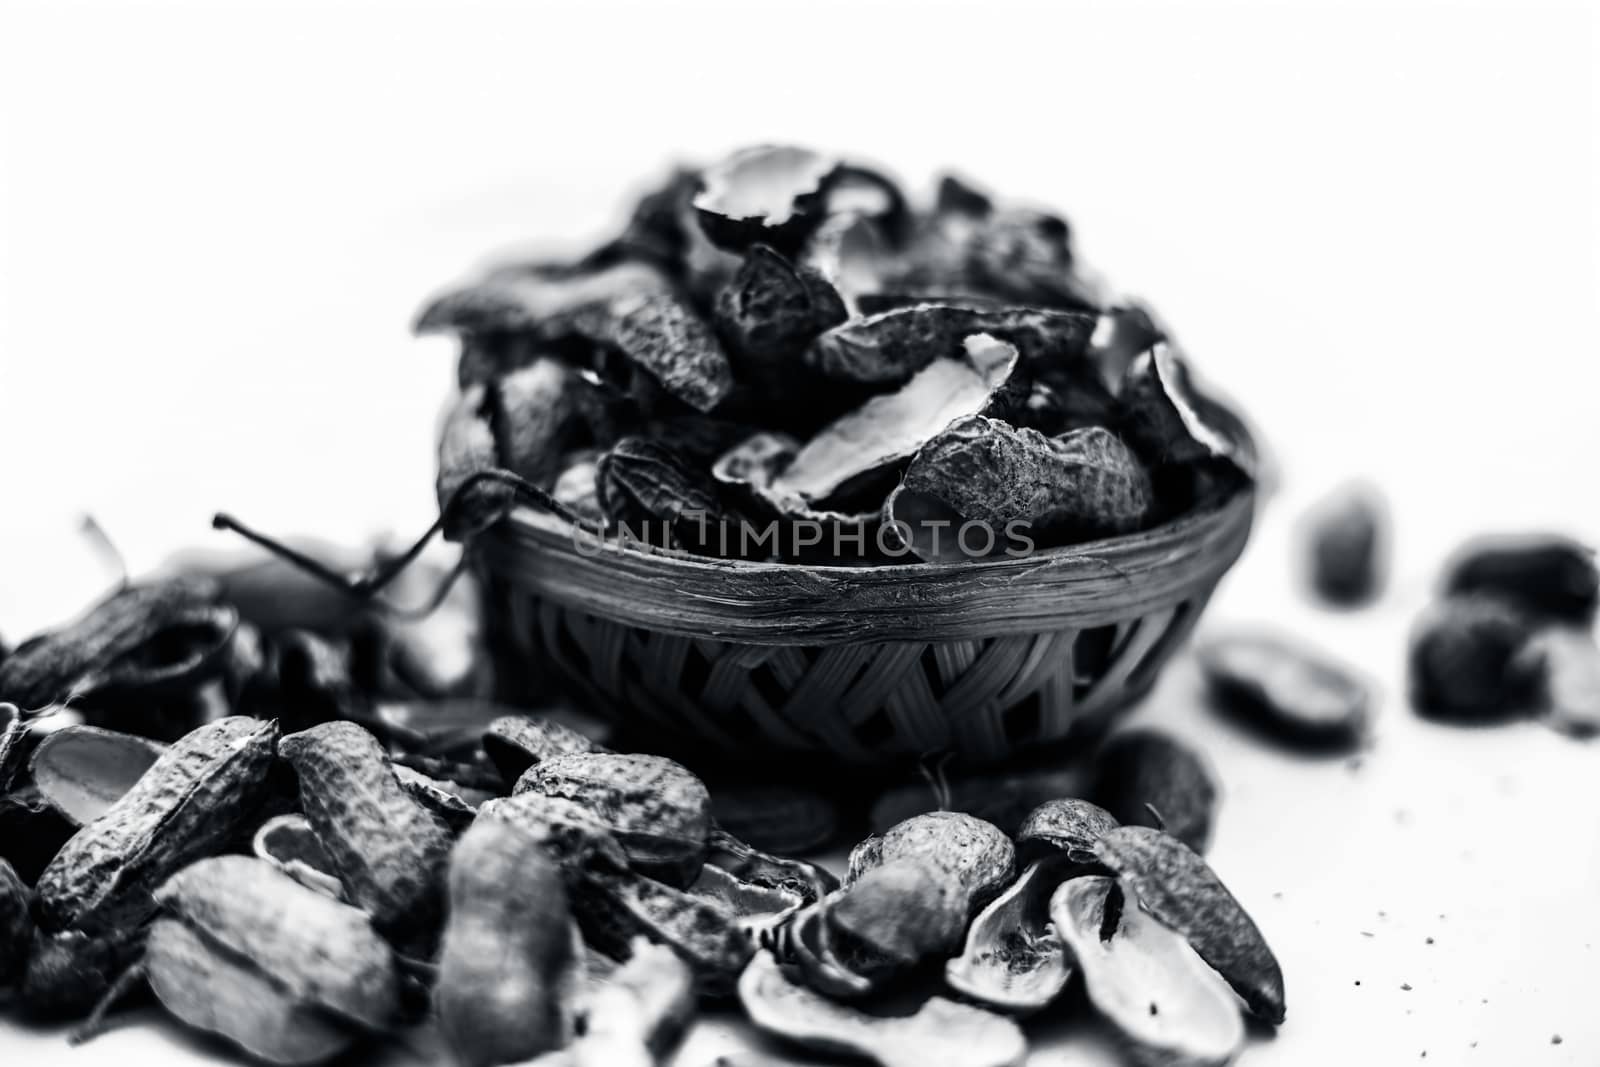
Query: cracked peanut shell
[[655, 808], [1173, 883]]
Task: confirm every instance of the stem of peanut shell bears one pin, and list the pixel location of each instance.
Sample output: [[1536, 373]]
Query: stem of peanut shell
[[931, 767], [368, 586], [95, 1024], [105, 548]]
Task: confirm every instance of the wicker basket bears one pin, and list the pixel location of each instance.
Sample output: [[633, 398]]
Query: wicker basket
[[866, 665]]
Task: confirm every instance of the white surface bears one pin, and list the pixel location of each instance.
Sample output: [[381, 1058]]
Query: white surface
[[1374, 225]]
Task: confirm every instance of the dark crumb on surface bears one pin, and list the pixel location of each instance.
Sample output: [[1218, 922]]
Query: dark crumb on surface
[[1155, 1011], [1555, 1039], [1427, 941], [1406, 986], [1279, 896], [1368, 933], [1358, 981]]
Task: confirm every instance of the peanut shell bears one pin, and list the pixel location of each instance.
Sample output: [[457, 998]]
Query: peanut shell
[[1013, 961], [656, 809], [516, 742], [189, 804], [319, 952], [940, 1033], [891, 346], [893, 426], [210, 991], [806, 880], [1286, 689], [613, 908], [770, 310], [52, 666], [1168, 1007], [1461, 656], [1174, 884], [16, 924], [508, 967], [83, 770], [1068, 826], [389, 851], [572, 834], [1149, 778], [629, 307], [977, 854], [1082, 485], [289, 844], [1544, 575]]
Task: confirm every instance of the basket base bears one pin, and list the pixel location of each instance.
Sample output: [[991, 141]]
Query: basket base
[[883, 705]]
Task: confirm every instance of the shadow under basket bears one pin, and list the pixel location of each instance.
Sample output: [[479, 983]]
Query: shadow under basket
[[871, 665]]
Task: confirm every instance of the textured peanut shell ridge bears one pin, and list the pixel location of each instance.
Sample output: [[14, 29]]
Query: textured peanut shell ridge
[[663, 334], [389, 851], [210, 991], [771, 308], [186, 806], [890, 346], [517, 742], [640, 480], [657, 810], [508, 966], [1067, 825], [977, 853], [1179, 888], [630, 307], [571, 834], [319, 951], [986, 471], [538, 411]]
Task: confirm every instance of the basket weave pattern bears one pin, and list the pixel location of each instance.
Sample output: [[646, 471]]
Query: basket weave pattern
[[864, 665]]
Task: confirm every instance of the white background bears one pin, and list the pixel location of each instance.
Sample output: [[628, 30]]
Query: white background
[[1375, 226]]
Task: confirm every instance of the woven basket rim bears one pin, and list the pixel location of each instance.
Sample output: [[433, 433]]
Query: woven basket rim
[[1074, 586], [1099, 552]]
